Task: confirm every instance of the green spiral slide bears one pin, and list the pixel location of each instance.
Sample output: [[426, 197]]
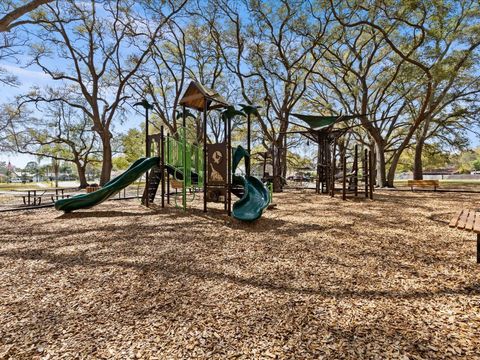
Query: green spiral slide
[[255, 196], [85, 201]]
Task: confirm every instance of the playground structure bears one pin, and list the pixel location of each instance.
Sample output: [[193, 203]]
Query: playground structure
[[186, 165], [185, 160], [180, 162], [321, 130]]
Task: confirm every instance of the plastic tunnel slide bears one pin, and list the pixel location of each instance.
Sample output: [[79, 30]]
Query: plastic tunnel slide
[[255, 197], [85, 201]]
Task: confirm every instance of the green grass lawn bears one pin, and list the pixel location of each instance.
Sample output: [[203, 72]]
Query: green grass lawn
[[19, 186], [448, 183], [48, 184]]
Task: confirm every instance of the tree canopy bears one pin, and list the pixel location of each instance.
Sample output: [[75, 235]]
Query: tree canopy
[[409, 69]]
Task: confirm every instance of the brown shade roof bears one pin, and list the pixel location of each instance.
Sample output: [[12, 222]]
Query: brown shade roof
[[196, 94]]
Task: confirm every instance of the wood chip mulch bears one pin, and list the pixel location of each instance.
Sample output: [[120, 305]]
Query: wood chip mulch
[[314, 278]]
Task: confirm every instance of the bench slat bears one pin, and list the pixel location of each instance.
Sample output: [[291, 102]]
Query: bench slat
[[423, 182], [454, 221], [470, 220], [463, 219]]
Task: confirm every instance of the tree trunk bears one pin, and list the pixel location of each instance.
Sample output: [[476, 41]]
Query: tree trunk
[[392, 169], [107, 159], [401, 148], [381, 165], [284, 162], [277, 168], [56, 167], [417, 161], [82, 176]]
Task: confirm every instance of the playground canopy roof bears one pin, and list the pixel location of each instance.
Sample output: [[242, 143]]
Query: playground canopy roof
[[196, 94], [319, 122]]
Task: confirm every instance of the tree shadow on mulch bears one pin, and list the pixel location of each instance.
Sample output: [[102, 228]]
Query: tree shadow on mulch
[[103, 214], [162, 266], [263, 224]]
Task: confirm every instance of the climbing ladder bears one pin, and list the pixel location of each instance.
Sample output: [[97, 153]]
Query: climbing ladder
[[154, 181], [183, 160]]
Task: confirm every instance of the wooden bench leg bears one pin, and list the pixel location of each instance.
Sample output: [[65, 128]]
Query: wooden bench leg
[[478, 248]]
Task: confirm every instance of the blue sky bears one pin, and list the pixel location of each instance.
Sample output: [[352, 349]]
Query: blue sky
[[33, 76], [29, 77]]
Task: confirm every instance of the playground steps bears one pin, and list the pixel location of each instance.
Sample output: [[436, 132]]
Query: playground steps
[[154, 180]]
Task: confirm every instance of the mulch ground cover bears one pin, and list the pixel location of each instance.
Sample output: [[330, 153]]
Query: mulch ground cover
[[315, 278]]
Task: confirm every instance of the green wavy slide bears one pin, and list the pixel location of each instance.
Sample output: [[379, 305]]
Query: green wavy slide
[[85, 201], [255, 196]]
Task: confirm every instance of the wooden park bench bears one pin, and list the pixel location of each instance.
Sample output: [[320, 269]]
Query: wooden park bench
[[467, 219], [424, 183]]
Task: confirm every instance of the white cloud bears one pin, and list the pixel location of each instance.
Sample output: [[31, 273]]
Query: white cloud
[[25, 74], [26, 77]]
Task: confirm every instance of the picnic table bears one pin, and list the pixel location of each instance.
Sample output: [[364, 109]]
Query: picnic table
[[31, 196], [60, 192], [34, 196]]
